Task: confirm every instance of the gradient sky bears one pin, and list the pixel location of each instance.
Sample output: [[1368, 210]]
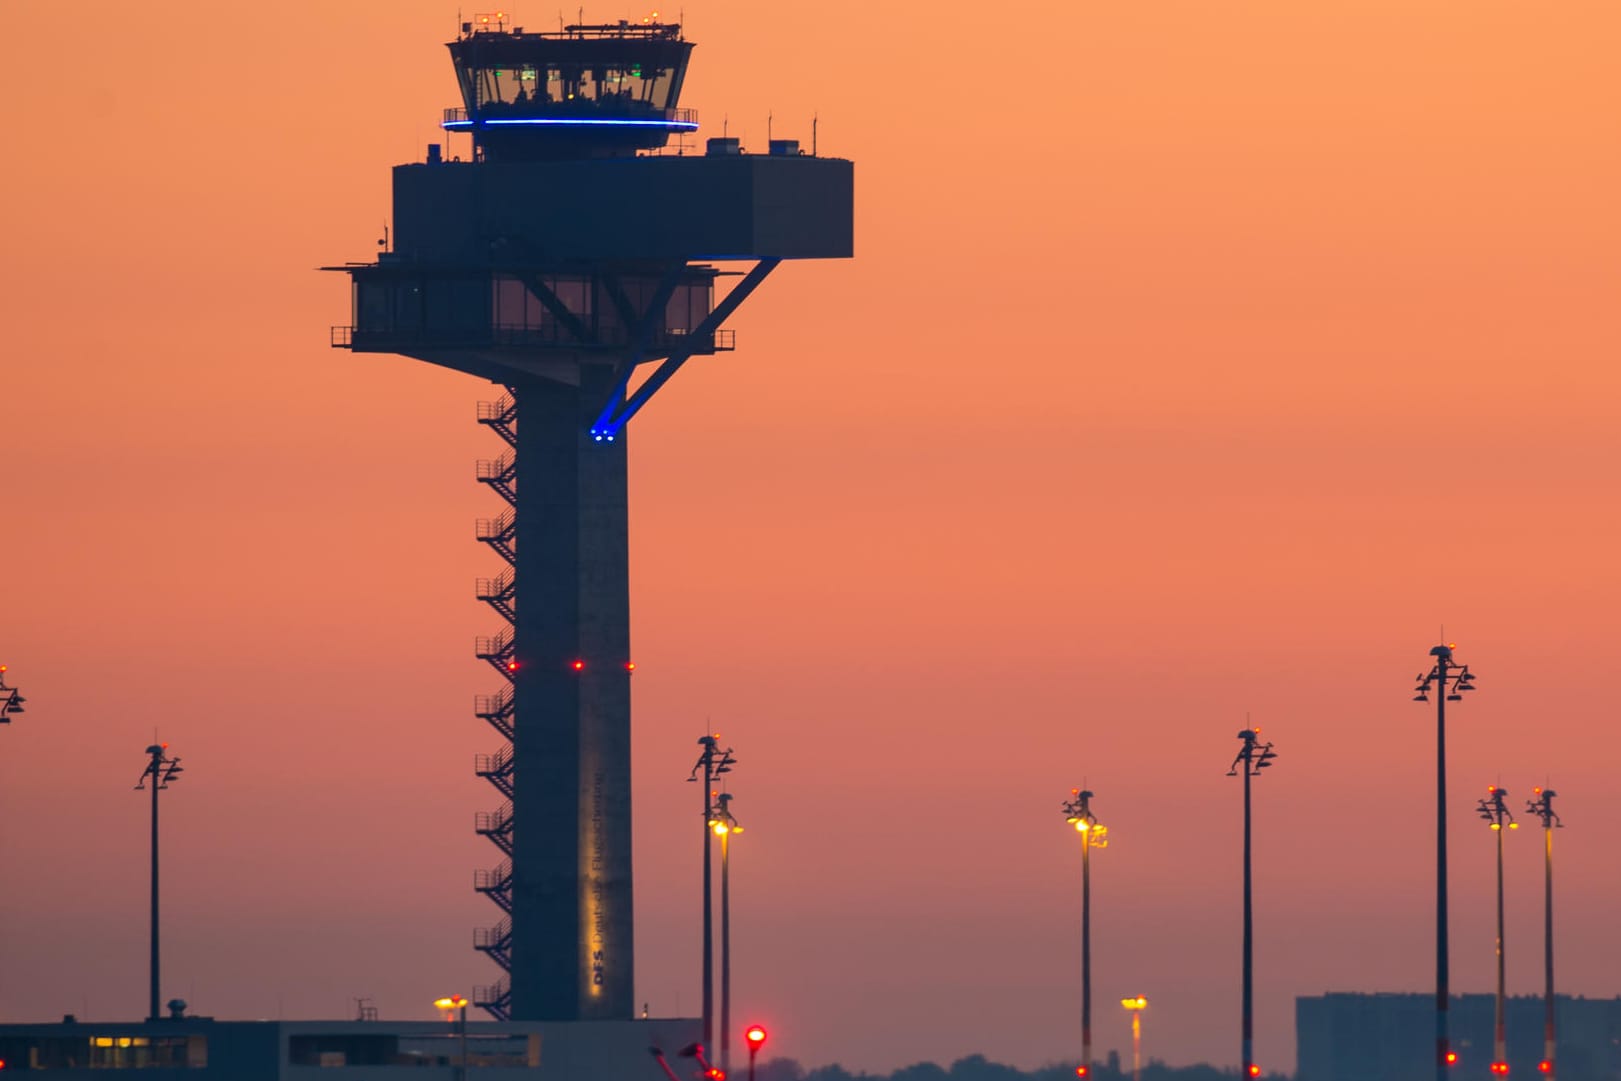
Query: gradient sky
[[1198, 360]]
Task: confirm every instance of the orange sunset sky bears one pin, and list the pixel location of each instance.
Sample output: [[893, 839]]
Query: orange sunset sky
[[1199, 360]]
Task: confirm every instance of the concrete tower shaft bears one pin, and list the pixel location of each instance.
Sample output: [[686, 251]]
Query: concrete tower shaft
[[566, 265], [572, 834]]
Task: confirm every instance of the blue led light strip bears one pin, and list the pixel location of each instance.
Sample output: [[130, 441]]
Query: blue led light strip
[[672, 125]]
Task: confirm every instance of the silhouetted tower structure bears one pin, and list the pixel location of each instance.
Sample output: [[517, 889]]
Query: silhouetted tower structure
[[570, 259]]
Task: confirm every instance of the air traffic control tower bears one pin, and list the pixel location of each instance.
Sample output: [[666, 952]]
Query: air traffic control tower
[[571, 261]]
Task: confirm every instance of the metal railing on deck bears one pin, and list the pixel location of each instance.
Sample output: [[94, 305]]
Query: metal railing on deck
[[511, 335], [583, 109]]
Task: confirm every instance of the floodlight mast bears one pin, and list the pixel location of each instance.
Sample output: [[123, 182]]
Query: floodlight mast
[[160, 772], [572, 264], [1078, 813], [1449, 680], [712, 764], [1495, 811], [1542, 807], [1253, 757], [724, 825]]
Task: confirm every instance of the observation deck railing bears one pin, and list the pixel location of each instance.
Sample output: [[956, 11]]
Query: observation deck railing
[[580, 109], [667, 341]]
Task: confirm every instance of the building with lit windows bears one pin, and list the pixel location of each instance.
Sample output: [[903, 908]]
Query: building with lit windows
[[1392, 1036], [202, 1049]]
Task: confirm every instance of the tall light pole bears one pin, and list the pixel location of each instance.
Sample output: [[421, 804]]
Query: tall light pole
[[161, 770], [1136, 1006], [724, 826], [1253, 757], [1078, 813], [1542, 807], [1449, 680], [712, 763], [1495, 811]]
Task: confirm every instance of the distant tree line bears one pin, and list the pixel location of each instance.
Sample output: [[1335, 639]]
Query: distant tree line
[[978, 1068]]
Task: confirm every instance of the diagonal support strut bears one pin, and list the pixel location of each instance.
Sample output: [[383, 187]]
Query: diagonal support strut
[[616, 413]]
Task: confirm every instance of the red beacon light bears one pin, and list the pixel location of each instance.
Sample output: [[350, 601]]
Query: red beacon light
[[1254, 1070], [1545, 1066], [754, 1036], [1083, 1071], [512, 666], [1451, 1058], [1500, 1068], [579, 666]]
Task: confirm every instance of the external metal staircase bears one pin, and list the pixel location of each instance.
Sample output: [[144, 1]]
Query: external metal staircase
[[499, 709]]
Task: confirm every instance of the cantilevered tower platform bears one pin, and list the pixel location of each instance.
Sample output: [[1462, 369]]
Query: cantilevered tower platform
[[570, 260]]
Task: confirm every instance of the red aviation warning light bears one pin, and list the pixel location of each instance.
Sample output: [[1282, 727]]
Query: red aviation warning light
[[754, 1036], [1545, 1066], [1083, 1071], [715, 1073], [1500, 1068], [579, 666], [1451, 1058], [1254, 1070]]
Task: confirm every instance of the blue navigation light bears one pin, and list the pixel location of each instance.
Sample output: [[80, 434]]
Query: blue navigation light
[[571, 122]]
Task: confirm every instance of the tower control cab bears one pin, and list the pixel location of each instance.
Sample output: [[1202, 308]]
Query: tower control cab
[[608, 90]]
